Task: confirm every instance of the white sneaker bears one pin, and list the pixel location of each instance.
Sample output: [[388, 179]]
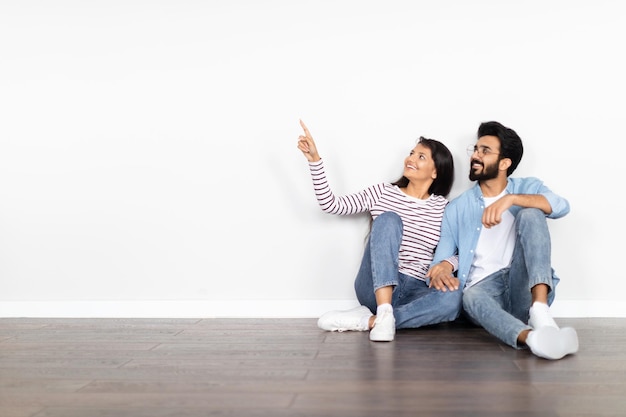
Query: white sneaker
[[346, 320], [384, 328], [552, 343], [539, 316]]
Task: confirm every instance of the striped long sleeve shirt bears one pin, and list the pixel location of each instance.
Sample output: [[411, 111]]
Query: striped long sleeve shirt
[[421, 218]]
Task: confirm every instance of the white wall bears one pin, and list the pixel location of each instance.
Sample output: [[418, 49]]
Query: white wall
[[148, 160]]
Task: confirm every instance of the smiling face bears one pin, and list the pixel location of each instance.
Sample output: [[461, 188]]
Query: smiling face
[[419, 165], [485, 161]]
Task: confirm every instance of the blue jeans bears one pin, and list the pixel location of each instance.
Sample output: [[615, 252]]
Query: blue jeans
[[500, 303], [414, 304]]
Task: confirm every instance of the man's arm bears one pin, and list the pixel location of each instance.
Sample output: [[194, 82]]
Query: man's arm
[[492, 215], [440, 275]]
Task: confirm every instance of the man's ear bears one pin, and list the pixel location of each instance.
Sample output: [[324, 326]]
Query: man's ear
[[504, 164]]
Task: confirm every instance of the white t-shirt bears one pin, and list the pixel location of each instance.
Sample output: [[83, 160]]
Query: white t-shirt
[[495, 246]]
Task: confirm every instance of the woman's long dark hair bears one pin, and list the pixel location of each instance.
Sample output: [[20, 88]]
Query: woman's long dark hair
[[444, 164]]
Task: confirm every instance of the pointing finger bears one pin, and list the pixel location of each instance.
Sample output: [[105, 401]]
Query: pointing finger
[[306, 131]]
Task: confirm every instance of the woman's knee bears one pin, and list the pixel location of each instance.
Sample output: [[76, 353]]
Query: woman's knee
[[387, 224], [388, 218]]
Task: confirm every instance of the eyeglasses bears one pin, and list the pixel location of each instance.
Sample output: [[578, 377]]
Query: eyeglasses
[[482, 151]]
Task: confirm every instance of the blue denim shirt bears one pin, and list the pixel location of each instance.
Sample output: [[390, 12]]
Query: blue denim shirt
[[462, 222]]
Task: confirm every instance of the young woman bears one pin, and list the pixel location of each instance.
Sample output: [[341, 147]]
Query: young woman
[[406, 222]]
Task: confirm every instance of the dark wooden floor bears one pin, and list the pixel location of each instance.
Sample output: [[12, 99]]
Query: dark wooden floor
[[288, 367]]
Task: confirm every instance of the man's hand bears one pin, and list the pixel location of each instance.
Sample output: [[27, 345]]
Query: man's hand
[[492, 215], [441, 277]]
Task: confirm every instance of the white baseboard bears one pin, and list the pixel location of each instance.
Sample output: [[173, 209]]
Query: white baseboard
[[172, 309], [244, 308], [588, 308]]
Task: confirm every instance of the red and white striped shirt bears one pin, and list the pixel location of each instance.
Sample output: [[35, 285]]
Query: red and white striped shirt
[[421, 218]]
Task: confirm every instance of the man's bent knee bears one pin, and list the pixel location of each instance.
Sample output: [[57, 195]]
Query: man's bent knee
[[530, 216]]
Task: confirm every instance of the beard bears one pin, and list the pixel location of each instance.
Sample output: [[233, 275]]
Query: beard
[[488, 172]]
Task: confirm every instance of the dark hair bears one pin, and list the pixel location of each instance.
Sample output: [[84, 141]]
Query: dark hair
[[444, 164], [510, 143]]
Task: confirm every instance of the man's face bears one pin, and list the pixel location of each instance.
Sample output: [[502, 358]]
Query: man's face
[[485, 159]]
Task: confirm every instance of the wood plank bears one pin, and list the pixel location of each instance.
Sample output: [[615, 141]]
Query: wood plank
[[287, 367]]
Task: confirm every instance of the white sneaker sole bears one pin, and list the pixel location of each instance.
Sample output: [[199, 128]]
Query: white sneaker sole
[[381, 337], [343, 321], [552, 343]]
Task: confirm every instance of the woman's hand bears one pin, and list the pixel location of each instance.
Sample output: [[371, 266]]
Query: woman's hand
[[307, 145]]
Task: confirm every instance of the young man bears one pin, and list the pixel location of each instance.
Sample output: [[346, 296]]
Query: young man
[[496, 238]]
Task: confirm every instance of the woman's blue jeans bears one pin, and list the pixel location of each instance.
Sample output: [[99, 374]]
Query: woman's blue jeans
[[501, 302], [414, 304]]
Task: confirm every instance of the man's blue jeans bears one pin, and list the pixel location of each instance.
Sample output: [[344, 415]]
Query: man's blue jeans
[[500, 302], [414, 304]]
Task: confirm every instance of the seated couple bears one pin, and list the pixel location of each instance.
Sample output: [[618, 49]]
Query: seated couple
[[485, 253]]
